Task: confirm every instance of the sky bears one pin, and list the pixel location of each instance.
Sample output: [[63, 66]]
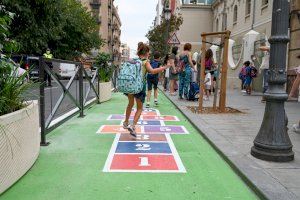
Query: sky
[[137, 17]]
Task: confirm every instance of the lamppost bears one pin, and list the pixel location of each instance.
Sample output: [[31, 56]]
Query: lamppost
[[272, 142], [167, 15]]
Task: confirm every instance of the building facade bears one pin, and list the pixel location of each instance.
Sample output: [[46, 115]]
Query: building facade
[[125, 52], [197, 18], [109, 22]]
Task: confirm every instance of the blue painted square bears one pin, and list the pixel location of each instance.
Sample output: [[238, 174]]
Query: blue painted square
[[145, 123], [143, 147]]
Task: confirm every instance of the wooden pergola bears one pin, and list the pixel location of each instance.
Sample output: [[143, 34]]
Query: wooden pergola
[[224, 46]]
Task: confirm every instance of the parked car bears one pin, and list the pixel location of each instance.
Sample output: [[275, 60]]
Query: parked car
[[30, 63]]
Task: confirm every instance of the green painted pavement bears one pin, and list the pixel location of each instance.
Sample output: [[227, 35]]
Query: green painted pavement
[[71, 167]]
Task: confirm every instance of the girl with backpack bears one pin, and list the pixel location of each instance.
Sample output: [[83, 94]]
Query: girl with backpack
[[143, 53]]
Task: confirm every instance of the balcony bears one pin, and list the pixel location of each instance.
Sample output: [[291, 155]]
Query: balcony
[[95, 4]]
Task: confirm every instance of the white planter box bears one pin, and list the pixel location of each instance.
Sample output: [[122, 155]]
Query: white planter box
[[19, 144], [105, 91]]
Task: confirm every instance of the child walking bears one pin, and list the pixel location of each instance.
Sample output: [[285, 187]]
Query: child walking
[[207, 83], [152, 80], [143, 53]]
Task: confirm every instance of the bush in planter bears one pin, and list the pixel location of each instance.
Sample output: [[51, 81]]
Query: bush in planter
[[105, 69]]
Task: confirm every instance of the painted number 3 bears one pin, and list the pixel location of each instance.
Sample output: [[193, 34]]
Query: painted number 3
[[142, 147]]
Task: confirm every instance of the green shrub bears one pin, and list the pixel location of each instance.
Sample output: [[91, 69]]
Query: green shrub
[[105, 69], [12, 87]]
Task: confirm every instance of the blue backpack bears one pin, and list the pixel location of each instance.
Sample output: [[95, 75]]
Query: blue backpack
[[130, 79]]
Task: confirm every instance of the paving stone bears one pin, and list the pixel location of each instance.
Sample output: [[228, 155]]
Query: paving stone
[[233, 134]]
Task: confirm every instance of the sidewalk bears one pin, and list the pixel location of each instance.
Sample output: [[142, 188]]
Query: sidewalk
[[77, 164], [233, 135]]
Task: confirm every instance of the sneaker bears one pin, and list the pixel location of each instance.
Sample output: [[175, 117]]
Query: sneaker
[[296, 128], [126, 125], [148, 105], [156, 102], [131, 130]]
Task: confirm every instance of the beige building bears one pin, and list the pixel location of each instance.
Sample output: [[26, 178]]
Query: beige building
[[109, 22], [197, 18], [125, 52]]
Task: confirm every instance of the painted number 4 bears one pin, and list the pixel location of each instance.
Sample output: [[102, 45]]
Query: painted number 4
[[144, 162]]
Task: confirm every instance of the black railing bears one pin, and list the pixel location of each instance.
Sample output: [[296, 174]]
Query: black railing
[[64, 98]]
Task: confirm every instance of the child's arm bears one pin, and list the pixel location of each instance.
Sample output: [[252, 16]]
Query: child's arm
[[157, 70]]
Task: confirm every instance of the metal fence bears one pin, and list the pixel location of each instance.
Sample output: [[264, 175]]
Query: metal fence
[[73, 88]]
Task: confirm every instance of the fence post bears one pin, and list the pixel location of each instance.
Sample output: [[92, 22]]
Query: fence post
[[81, 98], [98, 82], [42, 102]]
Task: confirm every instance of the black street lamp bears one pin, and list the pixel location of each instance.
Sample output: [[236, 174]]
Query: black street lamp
[[272, 142], [167, 16]]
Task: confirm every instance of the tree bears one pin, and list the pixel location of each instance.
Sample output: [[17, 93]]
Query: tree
[[157, 34], [64, 26]]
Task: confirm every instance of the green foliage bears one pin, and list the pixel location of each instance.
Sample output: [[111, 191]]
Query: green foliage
[[64, 26], [105, 69], [6, 44], [157, 34], [12, 87]]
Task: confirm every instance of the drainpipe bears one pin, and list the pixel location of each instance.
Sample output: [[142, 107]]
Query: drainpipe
[[253, 14]]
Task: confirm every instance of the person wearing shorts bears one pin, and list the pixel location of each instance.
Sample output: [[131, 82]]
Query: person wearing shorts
[[152, 80]]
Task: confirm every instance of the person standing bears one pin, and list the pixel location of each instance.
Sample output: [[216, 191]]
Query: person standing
[[152, 80], [143, 54], [48, 55], [265, 68], [242, 77], [185, 75], [251, 73], [207, 83], [173, 72], [210, 66]]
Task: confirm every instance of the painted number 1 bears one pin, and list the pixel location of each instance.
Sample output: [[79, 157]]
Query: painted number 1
[[144, 162]]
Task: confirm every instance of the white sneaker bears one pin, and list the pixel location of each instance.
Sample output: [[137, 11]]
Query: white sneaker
[[155, 102], [125, 125], [148, 105], [296, 128], [131, 130]]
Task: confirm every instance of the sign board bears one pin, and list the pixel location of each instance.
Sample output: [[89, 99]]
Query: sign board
[[173, 39]]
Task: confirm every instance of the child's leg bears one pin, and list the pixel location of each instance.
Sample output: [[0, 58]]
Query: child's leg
[[155, 89], [129, 107], [149, 95], [139, 110]]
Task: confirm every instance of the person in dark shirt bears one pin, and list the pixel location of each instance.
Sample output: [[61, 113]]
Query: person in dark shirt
[[152, 80]]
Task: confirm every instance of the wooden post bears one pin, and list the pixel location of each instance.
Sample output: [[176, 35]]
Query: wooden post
[[218, 73], [222, 103], [202, 73]]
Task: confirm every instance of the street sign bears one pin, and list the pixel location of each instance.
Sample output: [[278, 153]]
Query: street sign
[[173, 39]]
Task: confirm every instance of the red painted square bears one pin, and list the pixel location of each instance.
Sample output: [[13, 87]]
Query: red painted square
[[143, 162], [116, 129], [144, 137], [151, 113]]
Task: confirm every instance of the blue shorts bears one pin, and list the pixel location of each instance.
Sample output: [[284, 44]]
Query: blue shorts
[[141, 95], [152, 82]]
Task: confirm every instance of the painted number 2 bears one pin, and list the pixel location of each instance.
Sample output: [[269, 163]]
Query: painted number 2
[[142, 147], [144, 162]]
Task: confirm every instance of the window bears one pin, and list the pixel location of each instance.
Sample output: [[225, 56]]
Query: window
[[217, 25], [248, 8], [235, 14], [225, 21], [264, 3]]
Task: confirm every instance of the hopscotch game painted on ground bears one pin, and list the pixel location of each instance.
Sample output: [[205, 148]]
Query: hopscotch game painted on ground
[[151, 151]]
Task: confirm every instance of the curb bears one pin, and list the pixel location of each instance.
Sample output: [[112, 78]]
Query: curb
[[244, 178]]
